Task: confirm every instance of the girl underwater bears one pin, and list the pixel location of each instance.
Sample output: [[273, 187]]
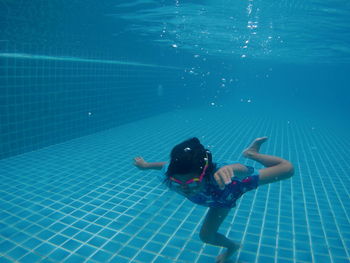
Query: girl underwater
[[192, 173]]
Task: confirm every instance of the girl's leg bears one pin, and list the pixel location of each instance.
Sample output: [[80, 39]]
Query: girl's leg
[[277, 168], [209, 234]]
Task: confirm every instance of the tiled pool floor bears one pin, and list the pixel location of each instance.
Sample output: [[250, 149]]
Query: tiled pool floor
[[83, 201]]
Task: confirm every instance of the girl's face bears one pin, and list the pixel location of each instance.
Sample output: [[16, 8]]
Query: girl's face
[[191, 188]]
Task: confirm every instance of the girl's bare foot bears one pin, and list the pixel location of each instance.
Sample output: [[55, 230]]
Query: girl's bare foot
[[254, 147], [229, 252]]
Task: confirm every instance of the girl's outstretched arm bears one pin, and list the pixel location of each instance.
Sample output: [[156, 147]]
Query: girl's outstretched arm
[[140, 163]]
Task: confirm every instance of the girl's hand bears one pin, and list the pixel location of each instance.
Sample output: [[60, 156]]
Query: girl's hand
[[223, 176], [140, 163]]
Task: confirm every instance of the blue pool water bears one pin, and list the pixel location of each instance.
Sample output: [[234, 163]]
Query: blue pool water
[[87, 86]]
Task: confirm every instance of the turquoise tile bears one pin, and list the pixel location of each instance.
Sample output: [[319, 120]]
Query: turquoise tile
[[265, 259], [160, 238], [32, 230], [80, 224], [58, 240], [71, 245], [58, 254], [86, 251], [31, 243], [45, 222], [302, 245], [119, 259], [112, 247], [245, 256], [322, 257], [44, 249], [22, 224], [170, 251], [102, 256], [188, 256], [267, 250], [74, 259], [145, 233], [285, 243], [70, 231], [336, 243], [18, 252], [8, 232], [34, 218], [30, 258], [137, 242], [145, 256], [5, 260], [285, 260], [107, 233], [268, 241], [128, 252], [249, 247], [97, 241], [56, 227], [46, 234], [340, 260], [285, 253], [83, 236], [338, 251], [303, 256], [6, 245], [153, 246], [121, 237], [177, 242], [93, 228], [103, 221], [206, 258]]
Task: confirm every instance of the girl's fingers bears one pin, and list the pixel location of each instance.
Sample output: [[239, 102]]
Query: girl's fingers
[[228, 176], [219, 179]]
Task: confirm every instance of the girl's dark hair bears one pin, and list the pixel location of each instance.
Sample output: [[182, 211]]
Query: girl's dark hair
[[188, 157]]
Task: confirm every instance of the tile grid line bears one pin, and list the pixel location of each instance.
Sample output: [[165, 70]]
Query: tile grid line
[[329, 202], [293, 186], [328, 199], [307, 215], [272, 186], [289, 138], [155, 233], [134, 218], [83, 220], [119, 230], [336, 160], [299, 132], [164, 245], [55, 222], [279, 197]]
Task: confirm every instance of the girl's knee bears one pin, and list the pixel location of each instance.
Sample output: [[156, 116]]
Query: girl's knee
[[289, 168], [205, 237]]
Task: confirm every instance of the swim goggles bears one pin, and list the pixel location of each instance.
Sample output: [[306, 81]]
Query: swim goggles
[[197, 179]]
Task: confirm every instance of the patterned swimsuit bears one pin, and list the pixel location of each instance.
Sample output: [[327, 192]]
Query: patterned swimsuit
[[213, 196]]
